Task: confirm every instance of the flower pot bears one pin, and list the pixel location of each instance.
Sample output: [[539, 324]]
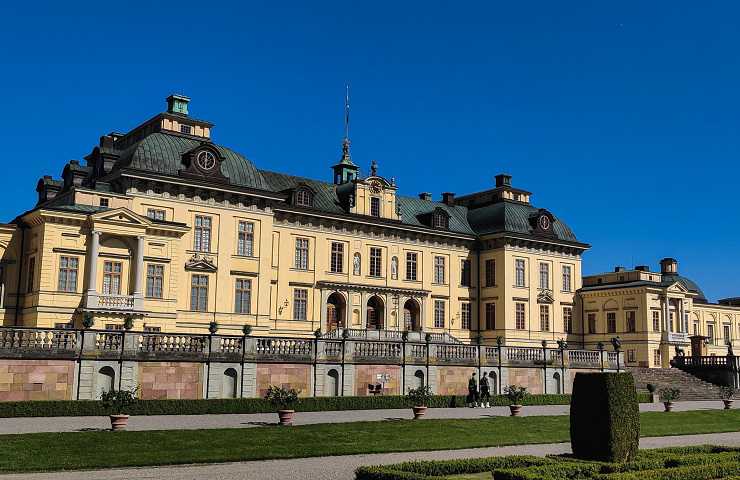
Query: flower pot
[[668, 406], [516, 410], [419, 412], [118, 422], [728, 404], [286, 417]]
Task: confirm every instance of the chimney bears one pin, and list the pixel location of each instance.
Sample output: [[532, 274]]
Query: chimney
[[503, 180], [178, 104], [448, 198], [47, 188], [669, 266], [426, 196], [619, 269], [642, 268]]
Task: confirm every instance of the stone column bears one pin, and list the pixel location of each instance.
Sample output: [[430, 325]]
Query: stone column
[[139, 273], [92, 262]]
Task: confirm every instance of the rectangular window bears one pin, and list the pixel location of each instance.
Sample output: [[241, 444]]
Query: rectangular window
[[301, 253], [545, 318], [439, 270], [411, 265], [656, 321], [31, 274], [243, 296], [68, 267], [519, 273], [155, 213], [656, 358], [154, 280], [520, 319], [490, 316], [112, 278], [567, 285], [336, 263], [568, 319], [696, 328], [300, 303], [185, 129], [465, 315], [465, 273], [376, 260], [199, 293], [611, 322], [726, 333], [544, 276], [710, 333], [202, 241], [439, 314], [104, 202], [631, 356], [591, 323], [490, 273], [631, 322], [375, 206], [245, 239]]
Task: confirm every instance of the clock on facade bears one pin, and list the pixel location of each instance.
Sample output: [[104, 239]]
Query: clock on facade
[[544, 222], [206, 160], [375, 186]]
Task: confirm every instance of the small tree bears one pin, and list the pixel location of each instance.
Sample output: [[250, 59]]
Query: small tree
[[117, 402], [515, 394], [726, 393], [669, 394], [282, 398], [419, 397], [651, 388]]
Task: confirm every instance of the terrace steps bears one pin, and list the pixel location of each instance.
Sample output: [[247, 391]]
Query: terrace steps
[[692, 388]]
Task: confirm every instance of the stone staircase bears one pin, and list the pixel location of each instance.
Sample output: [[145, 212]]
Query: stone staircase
[[691, 387]]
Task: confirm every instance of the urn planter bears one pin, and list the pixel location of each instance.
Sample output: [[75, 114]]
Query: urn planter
[[286, 417], [419, 412], [118, 422], [728, 404], [516, 410], [668, 406]]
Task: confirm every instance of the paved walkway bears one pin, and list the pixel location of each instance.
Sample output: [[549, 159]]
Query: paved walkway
[[191, 422], [343, 467]]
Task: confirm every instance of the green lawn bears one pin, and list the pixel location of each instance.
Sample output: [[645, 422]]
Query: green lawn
[[86, 450]]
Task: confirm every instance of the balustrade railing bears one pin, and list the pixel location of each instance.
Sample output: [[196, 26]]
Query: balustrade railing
[[284, 347], [108, 341], [231, 345], [492, 354], [118, 302], [524, 354], [418, 350], [584, 358], [37, 339], [160, 342], [466, 353], [333, 349], [377, 350]]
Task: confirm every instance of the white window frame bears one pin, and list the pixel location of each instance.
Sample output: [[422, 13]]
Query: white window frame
[[520, 272], [302, 246], [336, 257], [439, 270], [376, 262], [154, 280], [69, 267], [439, 314], [202, 233], [245, 239], [300, 304], [243, 295]]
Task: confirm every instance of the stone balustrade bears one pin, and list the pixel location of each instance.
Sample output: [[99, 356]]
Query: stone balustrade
[[49, 343]]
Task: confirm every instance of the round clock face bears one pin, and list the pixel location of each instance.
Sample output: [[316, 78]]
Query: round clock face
[[375, 186], [206, 160], [544, 222]]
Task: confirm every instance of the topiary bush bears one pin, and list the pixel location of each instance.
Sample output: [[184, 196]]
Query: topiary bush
[[604, 417]]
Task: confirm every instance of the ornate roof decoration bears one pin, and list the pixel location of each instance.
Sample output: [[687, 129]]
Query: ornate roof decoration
[[200, 262]]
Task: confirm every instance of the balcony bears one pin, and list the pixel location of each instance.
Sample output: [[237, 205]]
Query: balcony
[[113, 303], [676, 337]]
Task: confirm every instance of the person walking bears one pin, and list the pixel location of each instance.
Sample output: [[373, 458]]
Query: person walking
[[472, 399], [485, 392]]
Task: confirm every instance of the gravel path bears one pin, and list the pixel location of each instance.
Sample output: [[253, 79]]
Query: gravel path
[[342, 467], [181, 422]]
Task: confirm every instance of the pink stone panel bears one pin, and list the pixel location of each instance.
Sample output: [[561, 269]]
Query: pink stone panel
[[22, 380], [527, 377], [284, 375], [454, 380], [390, 378], [171, 380]]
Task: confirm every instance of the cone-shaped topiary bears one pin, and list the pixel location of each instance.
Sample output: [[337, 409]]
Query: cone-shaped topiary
[[604, 417]]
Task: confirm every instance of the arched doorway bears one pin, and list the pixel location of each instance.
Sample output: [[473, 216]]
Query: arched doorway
[[106, 380], [375, 308], [556, 383], [230, 383], [332, 383], [419, 375], [493, 382], [411, 316], [335, 312]]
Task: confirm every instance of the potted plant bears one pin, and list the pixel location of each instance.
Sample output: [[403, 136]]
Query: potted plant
[[651, 389], [668, 396], [117, 402], [419, 399], [726, 394], [247, 330], [516, 395], [213, 327], [283, 399]]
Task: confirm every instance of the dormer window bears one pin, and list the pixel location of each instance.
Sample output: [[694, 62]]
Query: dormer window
[[186, 129], [375, 206], [440, 220], [303, 198]]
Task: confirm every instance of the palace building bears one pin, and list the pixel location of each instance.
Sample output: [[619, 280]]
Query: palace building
[[165, 228]]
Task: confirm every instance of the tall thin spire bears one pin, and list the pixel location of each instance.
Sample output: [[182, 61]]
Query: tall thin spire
[[346, 156]]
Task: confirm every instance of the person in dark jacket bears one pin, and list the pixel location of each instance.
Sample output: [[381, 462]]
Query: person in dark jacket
[[472, 399], [485, 392]]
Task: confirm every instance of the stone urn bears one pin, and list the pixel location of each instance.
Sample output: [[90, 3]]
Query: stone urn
[[118, 422], [668, 406], [516, 410], [286, 417], [728, 404], [419, 412]]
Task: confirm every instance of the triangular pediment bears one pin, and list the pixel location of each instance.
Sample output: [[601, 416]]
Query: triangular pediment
[[121, 216], [201, 263], [677, 287]]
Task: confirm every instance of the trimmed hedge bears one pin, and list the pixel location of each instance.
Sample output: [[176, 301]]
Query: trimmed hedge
[[81, 408], [604, 417], [684, 463]]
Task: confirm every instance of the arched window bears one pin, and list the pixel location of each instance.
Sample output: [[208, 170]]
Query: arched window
[[440, 220], [556, 382], [230, 383], [303, 198], [419, 378]]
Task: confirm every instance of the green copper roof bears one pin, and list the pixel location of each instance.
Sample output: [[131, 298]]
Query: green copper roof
[[162, 153], [513, 217]]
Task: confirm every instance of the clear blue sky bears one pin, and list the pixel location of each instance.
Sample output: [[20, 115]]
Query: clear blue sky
[[621, 116]]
